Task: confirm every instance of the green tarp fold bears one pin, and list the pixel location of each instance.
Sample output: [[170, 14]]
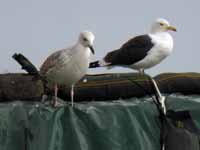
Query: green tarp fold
[[130, 124]]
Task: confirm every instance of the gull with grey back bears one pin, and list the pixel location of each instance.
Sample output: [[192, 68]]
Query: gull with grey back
[[68, 66], [143, 51]]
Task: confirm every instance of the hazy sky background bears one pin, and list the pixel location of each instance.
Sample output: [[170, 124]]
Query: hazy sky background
[[37, 28]]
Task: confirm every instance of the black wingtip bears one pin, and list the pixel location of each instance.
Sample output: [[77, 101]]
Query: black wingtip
[[15, 55], [25, 63], [94, 64]]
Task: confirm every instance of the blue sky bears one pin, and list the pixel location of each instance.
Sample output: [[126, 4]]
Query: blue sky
[[37, 28]]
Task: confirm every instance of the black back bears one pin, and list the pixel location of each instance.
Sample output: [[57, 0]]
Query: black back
[[131, 52]]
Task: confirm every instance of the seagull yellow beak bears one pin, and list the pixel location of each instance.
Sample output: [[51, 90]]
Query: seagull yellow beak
[[171, 28]]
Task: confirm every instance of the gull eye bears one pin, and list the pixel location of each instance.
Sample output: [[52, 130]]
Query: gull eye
[[85, 40], [161, 24]]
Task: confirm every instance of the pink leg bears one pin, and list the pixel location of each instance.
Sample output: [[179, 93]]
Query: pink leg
[[55, 94], [141, 71], [72, 95]]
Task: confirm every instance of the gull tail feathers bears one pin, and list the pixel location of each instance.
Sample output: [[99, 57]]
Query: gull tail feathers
[[94, 64], [98, 63], [26, 64]]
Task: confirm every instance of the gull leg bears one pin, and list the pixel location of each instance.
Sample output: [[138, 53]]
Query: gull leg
[[56, 95], [141, 71], [72, 95]]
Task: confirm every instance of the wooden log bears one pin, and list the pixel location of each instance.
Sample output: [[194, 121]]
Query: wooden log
[[18, 86]]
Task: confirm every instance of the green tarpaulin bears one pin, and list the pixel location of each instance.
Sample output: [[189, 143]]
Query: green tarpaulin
[[130, 124]]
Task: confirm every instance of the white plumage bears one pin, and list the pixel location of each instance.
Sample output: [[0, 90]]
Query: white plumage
[[68, 66], [143, 51], [163, 46]]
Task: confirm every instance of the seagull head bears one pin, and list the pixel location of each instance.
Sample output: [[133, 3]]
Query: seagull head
[[162, 25], [86, 39]]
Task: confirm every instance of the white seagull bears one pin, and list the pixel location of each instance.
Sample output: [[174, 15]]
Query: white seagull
[[68, 66], [143, 51]]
